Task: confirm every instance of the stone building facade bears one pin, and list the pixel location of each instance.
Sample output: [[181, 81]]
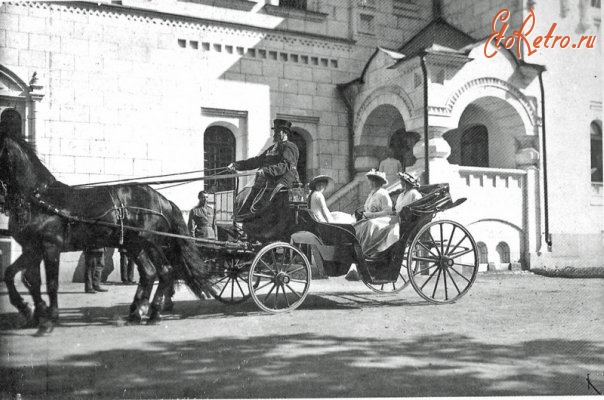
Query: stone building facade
[[121, 89]]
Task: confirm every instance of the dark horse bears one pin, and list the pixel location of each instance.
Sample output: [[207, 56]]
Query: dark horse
[[48, 217]]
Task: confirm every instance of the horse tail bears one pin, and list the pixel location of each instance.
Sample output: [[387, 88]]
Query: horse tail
[[186, 258]]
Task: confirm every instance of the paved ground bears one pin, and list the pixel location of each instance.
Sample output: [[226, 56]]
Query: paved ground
[[513, 334]]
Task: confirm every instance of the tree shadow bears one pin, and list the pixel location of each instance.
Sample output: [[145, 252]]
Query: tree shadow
[[310, 365]]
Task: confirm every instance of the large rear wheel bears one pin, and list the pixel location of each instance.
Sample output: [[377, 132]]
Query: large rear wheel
[[279, 277], [442, 261]]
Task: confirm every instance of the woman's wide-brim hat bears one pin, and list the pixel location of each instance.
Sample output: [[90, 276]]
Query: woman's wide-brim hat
[[312, 185], [378, 175], [279, 124], [410, 179]]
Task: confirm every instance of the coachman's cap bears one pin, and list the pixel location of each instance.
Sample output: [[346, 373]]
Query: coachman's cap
[[279, 124]]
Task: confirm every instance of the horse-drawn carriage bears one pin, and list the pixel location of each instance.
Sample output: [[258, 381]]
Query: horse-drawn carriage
[[260, 260], [267, 263]]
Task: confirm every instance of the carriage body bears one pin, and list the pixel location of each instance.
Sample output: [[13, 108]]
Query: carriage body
[[437, 257]]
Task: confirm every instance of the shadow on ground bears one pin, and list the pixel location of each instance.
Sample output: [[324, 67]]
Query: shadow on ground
[[309, 365]]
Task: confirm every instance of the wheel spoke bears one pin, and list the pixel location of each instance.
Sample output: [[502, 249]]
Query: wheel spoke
[[457, 272], [429, 278], [296, 270], [418, 272], [455, 255], [240, 288], [465, 265], [450, 239], [430, 251], [434, 242], [268, 267], [453, 280], [441, 237], [458, 243], [297, 280], [265, 285], [436, 284], [293, 291], [260, 275], [224, 287], [424, 259], [276, 296], [220, 280], [285, 295], [445, 283]]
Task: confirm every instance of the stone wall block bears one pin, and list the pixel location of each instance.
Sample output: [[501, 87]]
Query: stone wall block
[[298, 72], [32, 58], [29, 24], [91, 165], [274, 69], [10, 57], [60, 164], [62, 61], [321, 75], [322, 103], [251, 67], [17, 40], [9, 22]]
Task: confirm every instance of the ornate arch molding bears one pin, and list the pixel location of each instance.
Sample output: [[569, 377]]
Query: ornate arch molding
[[391, 95], [530, 107]]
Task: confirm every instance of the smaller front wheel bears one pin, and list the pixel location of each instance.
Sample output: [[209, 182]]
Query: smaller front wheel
[[279, 277]]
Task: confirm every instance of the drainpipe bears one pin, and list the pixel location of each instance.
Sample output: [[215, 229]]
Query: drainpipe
[[350, 111], [548, 236], [426, 161]]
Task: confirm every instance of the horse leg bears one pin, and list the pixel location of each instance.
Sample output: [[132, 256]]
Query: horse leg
[[164, 273], [140, 303], [25, 309], [51, 263]]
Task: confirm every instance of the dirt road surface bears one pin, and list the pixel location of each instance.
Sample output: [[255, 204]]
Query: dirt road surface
[[513, 334]]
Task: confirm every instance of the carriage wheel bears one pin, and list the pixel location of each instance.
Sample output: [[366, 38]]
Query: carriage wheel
[[442, 261], [279, 277], [402, 281], [230, 280]]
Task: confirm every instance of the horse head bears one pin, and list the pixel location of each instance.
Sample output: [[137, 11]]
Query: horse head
[[21, 171]]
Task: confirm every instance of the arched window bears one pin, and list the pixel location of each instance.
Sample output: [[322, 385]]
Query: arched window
[[299, 141], [504, 252], [483, 253], [596, 151], [219, 151], [475, 146], [11, 122]]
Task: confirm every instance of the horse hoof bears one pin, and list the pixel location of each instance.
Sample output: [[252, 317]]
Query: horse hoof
[[154, 321], [44, 329], [133, 320]]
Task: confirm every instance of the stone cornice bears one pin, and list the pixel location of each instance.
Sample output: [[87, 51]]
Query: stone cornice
[[224, 113], [175, 19]]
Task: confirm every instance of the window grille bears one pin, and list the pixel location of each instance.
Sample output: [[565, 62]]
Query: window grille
[[219, 151]]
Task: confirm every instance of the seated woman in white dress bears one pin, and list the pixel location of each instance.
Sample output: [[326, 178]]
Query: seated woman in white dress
[[318, 206], [409, 194], [377, 213]]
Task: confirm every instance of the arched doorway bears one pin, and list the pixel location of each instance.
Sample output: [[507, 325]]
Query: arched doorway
[[379, 132], [219, 151], [300, 142]]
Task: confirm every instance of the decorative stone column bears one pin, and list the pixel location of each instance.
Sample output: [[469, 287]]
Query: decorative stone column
[[527, 158], [438, 152]]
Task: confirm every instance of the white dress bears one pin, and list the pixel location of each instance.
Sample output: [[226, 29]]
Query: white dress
[[318, 208], [367, 230]]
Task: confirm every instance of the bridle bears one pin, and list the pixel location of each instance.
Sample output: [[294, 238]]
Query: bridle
[[3, 185]]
